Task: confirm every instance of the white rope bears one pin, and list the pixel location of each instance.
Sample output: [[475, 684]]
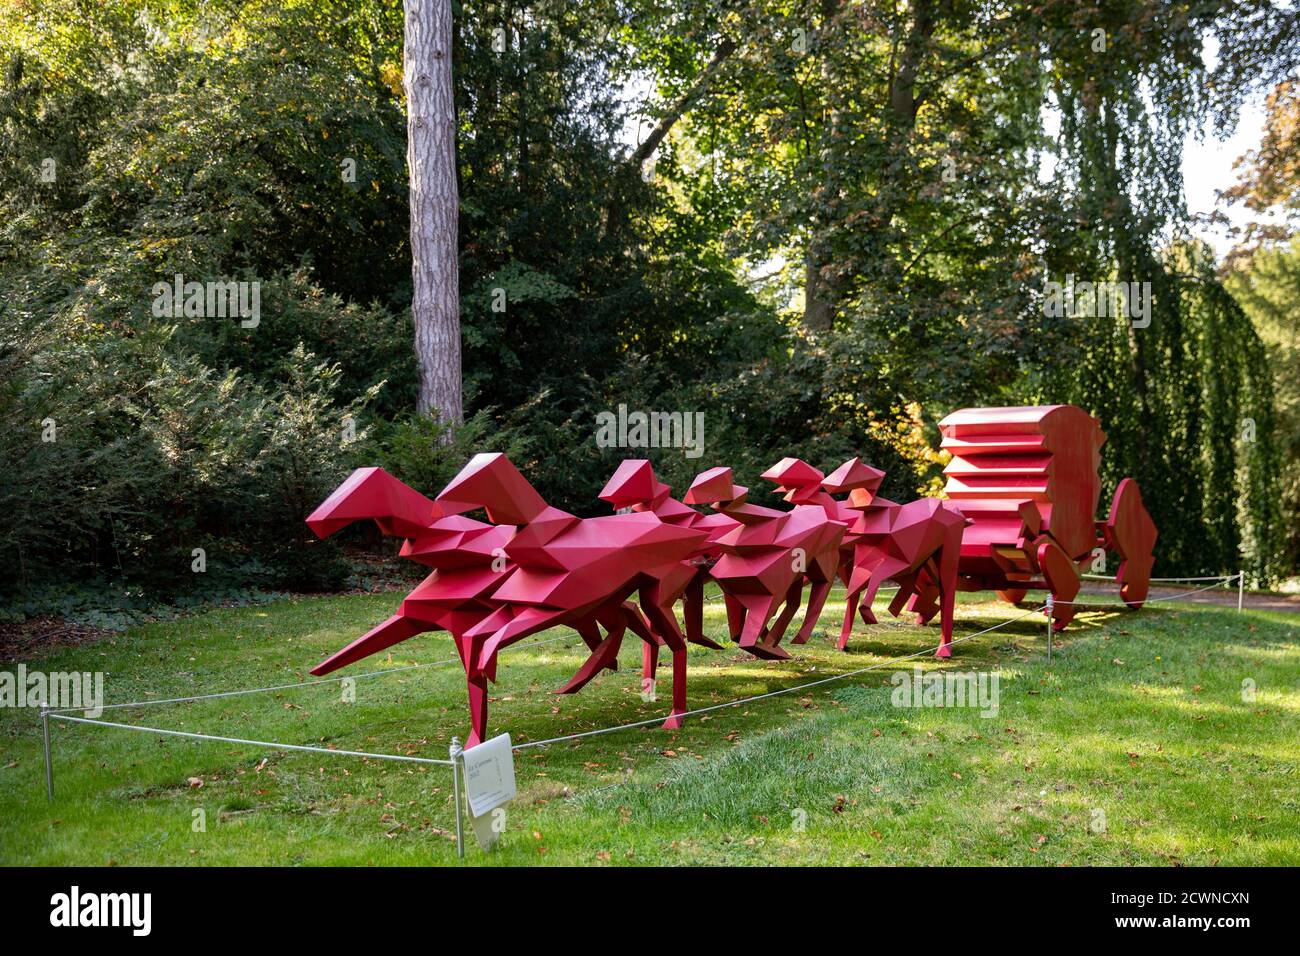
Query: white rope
[[1149, 600], [776, 693], [1216, 577], [827, 680], [306, 683], [251, 743], [64, 714]]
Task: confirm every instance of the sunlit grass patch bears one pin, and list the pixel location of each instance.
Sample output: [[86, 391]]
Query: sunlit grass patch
[[1137, 744]]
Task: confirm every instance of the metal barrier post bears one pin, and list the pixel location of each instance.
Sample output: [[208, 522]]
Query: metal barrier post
[[49, 765], [1241, 588], [454, 752], [1050, 606]]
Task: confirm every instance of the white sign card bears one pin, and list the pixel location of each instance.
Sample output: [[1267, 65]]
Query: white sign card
[[489, 784]]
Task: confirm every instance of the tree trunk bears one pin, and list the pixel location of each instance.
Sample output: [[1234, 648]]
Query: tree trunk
[[684, 103], [819, 295], [435, 207], [902, 91], [818, 312]]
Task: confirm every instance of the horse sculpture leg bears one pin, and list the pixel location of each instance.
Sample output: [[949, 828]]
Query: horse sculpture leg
[[866, 594], [637, 624], [693, 611], [604, 655], [657, 599], [693, 608], [949, 553], [735, 616], [478, 708], [793, 598], [850, 610], [758, 608], [851, 595], [816, 601], [906, 591]]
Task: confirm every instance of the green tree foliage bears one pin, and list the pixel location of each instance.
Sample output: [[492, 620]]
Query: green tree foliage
[[897, 159], [191, 143], [1172, 394], [1267, 284], [836, 229]]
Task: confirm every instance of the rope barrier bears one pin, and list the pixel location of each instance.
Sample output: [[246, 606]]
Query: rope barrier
[[1150, 600], [59, 713], [275, 687], [64, 714], [1216, 577], [251, 743], [775, 693], [311, 683], [788, 690]]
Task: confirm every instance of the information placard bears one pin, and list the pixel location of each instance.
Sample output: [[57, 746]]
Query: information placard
[[489, 775]]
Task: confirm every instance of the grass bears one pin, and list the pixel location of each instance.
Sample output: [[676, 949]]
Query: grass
[[1134, 746]]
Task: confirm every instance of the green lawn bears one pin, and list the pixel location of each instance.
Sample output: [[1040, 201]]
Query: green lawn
[[1134, 746]]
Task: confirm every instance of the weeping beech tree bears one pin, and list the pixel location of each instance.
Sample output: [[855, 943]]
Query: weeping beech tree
[[1183, 392], [890, 153]]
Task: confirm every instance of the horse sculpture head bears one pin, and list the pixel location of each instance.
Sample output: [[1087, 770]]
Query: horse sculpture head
[[373, 494], [491, 481]]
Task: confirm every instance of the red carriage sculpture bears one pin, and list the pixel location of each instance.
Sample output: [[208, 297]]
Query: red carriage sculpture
[[1026, 479], [1022, 489]]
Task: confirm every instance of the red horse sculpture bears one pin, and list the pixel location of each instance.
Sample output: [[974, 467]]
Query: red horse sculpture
[[635, 487], [884, 541], [545, 568], [766, 560], [1023, 486]]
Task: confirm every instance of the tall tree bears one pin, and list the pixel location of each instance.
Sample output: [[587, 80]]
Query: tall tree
[[431, 159]]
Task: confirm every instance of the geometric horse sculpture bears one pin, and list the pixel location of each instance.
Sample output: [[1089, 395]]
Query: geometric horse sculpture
[[530, 568], [914, 543], [917, 544], [768, 557], [1026, 480], [635, 488], [1022, 493]]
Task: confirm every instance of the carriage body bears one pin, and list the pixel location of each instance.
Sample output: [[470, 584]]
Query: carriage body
[[1026, 478]]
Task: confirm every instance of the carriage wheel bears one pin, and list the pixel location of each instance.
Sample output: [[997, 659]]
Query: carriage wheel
[[1062, 579], [1013, 595], [1131, 533]]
